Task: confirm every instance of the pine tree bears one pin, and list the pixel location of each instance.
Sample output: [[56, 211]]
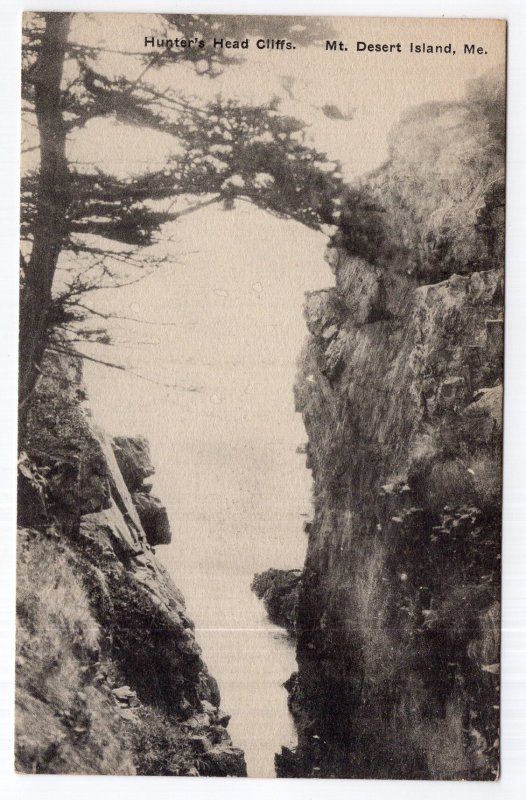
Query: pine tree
[[98, 224]]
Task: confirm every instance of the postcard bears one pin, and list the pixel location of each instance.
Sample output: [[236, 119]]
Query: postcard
[[260, 397]]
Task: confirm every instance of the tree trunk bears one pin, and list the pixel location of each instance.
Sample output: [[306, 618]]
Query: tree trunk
[[52, 203]]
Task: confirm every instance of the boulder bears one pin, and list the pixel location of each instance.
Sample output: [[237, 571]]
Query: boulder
[[279, 590], [224, 760], [223, 719], [154, 518], [133, 457]]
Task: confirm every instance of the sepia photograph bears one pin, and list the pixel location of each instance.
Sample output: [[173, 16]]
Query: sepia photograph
[[261, 334]]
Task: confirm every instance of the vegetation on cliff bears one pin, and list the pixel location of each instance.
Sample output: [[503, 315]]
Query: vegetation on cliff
[[436, 207]]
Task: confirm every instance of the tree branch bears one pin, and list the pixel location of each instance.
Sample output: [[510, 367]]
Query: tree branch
[[77, 354], [122, 316]]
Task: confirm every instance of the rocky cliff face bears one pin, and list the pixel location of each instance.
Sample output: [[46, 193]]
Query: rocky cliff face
[[400, 388], [109, 673]]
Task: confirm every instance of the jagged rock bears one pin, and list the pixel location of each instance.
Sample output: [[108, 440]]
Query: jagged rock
[[360, 287], [187, 643], [322, 311], [279, 589], [109, 532], [224, 760], [287, 764], [334, 357], [481, 420], [134, 460], [332, 257], [209, 690], [199, 744], [219, 734], [31, 503], [185, 709], [197, 721], [223, 719], [208, 708], [122, 692], [129, 714], [126, 696], [154, 518], [495, 337]]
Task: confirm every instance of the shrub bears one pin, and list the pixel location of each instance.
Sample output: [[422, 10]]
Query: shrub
[[160, 747]]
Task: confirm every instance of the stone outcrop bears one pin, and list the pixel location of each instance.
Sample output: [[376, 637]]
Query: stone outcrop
[[279, 589], [125, 665], [132, 456], [400, 389]]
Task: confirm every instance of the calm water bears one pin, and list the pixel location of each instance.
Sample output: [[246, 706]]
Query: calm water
[[237, 492]]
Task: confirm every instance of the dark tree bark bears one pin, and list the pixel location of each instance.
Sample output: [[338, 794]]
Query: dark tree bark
[[52, 203]]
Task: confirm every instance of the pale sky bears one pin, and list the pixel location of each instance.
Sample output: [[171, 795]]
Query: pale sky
[[374, 87]]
